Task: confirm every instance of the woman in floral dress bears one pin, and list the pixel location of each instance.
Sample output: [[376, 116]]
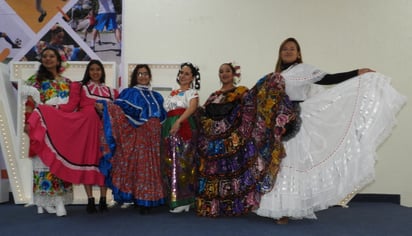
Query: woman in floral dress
[[74, 154], [239, 144], [47, 87]]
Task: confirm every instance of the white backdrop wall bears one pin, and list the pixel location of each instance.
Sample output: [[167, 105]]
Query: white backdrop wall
[[336, 36]]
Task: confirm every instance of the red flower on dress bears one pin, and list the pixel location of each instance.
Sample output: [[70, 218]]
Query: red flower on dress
[[174, 92]]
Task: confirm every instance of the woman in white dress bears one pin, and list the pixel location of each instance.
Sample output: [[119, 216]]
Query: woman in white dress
[[332, 156]]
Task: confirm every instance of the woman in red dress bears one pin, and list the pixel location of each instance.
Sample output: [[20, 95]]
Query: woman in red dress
[[67, 138], [132, 134]]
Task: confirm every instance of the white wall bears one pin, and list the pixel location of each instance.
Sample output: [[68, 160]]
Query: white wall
[[336, 36]]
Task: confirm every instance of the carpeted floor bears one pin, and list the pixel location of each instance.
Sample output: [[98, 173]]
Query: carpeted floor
[[361, 218]]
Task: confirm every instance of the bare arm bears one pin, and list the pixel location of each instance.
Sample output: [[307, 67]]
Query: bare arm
[[188, 112]]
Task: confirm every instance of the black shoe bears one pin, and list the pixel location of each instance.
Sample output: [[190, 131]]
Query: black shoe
[[99, 42], [42, 16], [91, 207], [103, 205], [15, 46]]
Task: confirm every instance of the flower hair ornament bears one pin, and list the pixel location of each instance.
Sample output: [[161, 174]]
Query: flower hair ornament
[[236, 72], [64, 51], [64, 64], [195, 72], [59, 53]]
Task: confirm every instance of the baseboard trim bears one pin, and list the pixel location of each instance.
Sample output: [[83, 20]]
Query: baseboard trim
[[361, 197], [390, 198]]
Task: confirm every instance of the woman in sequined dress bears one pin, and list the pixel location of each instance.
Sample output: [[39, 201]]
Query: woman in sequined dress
[[239, 144], [179, 135]]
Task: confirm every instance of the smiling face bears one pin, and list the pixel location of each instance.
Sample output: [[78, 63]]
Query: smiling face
[[289, 53], [95, 73], [49, 59], [185, 77], [143, 76], [226, 74]]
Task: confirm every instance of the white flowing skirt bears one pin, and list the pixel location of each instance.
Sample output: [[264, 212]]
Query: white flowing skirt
[[333, 155]]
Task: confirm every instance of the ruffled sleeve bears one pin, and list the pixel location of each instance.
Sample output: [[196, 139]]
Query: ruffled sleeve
[[303, 73], [299, 79], [192, 93], [29, 91], [139, 105], [131, 103]]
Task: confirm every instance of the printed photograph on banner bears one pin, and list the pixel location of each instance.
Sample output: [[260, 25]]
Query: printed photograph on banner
[[14, 34], [80, 29], [57, 37], [98, 23], [37, 13]]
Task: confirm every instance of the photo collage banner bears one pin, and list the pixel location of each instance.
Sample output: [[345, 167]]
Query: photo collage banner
[[74, 27]]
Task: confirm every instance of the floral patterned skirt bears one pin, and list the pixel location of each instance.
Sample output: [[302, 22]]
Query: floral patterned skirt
[[240, 152], [46, 186]]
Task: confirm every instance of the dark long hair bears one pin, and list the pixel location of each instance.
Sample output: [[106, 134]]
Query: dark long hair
[[44, 74], [133, 77], [86, 76], [195, 72], [279, 63]]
